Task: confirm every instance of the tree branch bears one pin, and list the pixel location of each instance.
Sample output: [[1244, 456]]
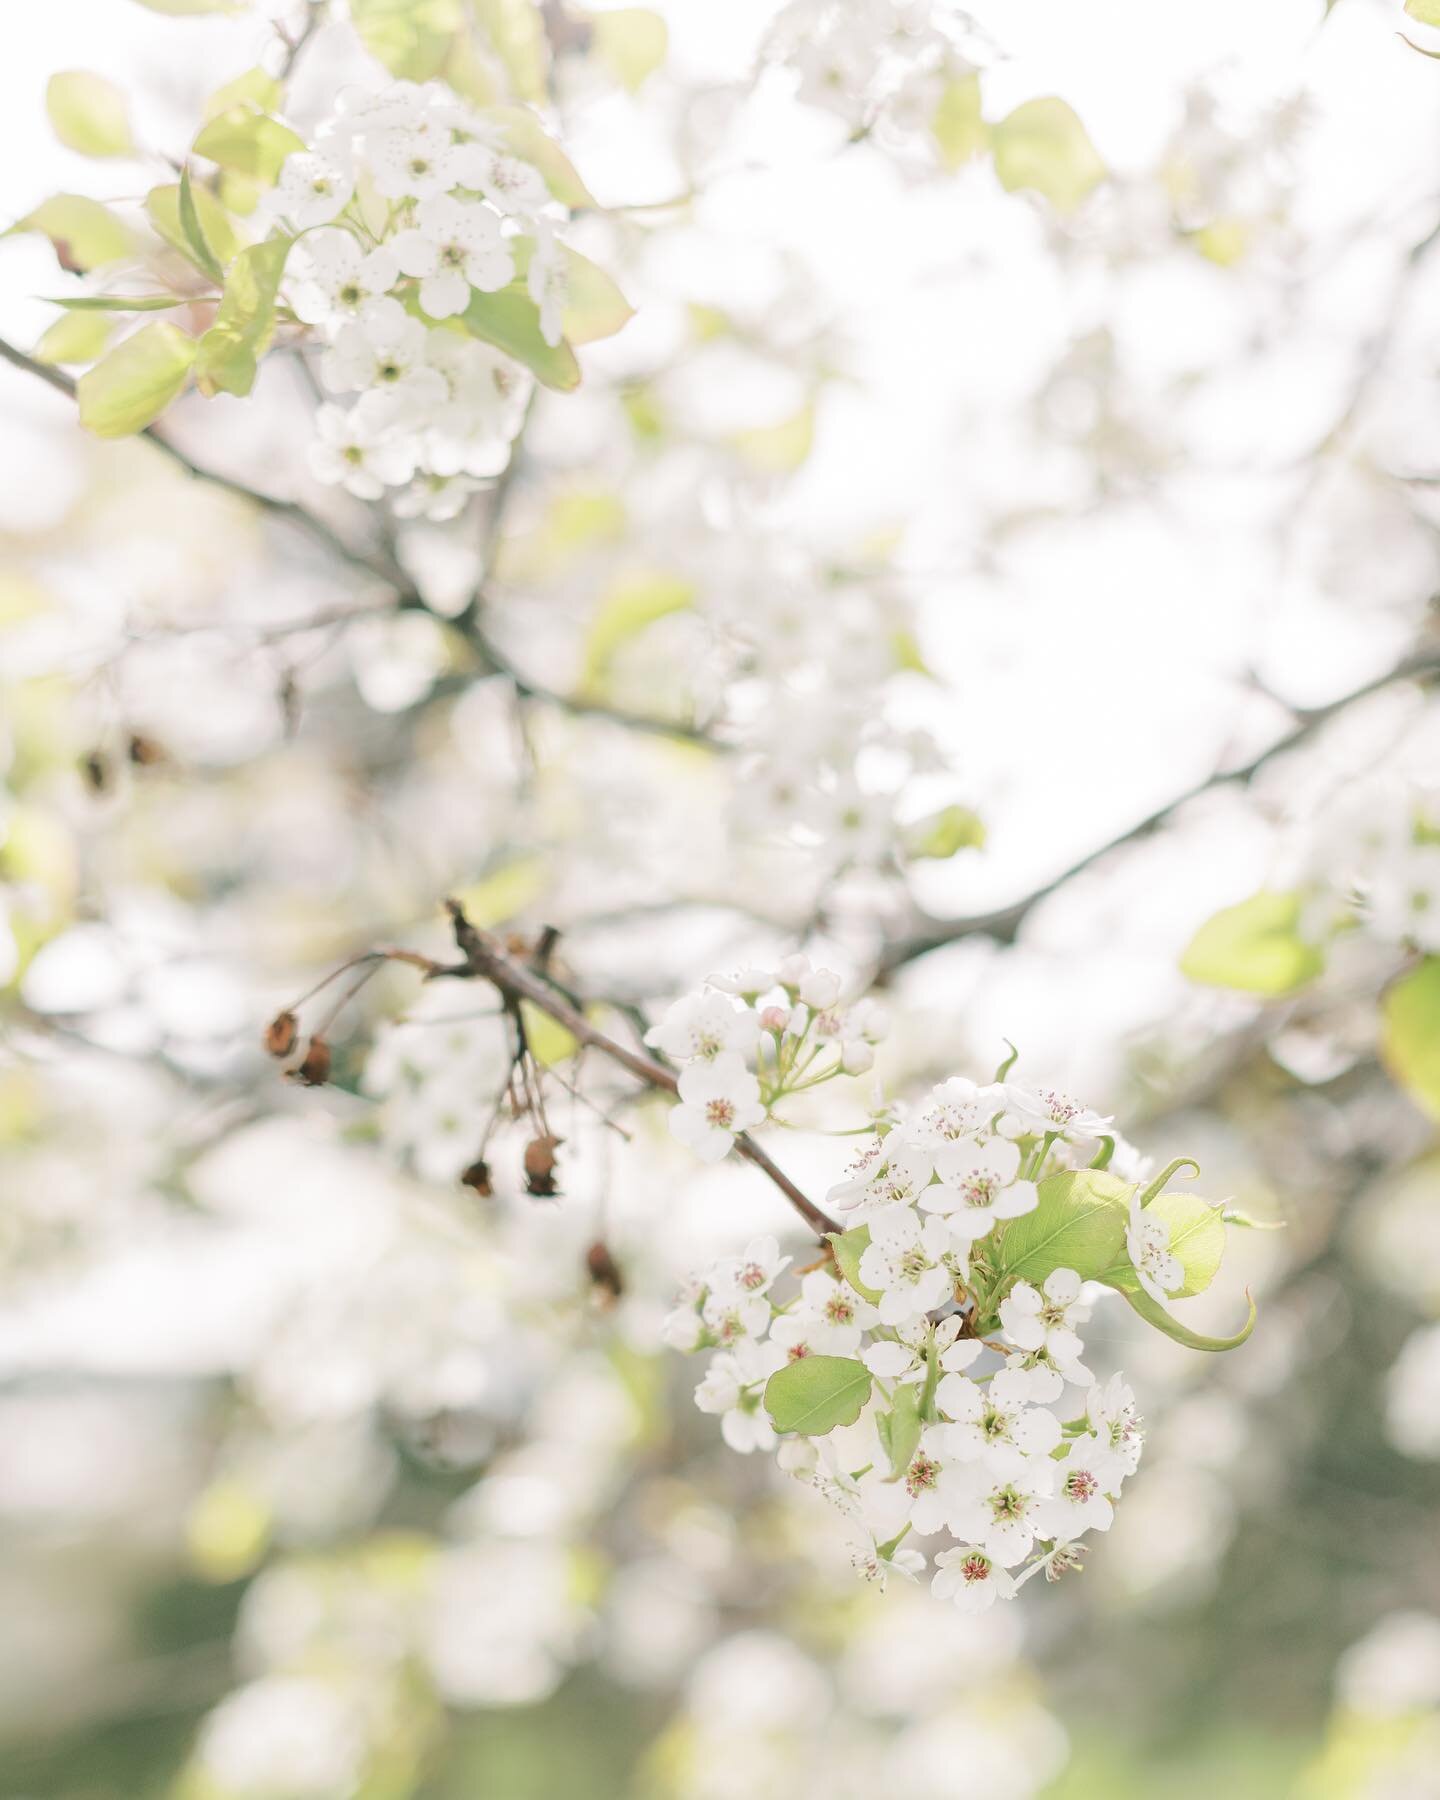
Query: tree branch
[[486, 959], [1005, 922]]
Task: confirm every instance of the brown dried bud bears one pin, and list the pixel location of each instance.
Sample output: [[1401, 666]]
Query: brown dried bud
[[96, 767], [145, 753], [540, 1165], [517, 944], [280, 1034], [314, 1070], [477, 1176], [604, 1273]]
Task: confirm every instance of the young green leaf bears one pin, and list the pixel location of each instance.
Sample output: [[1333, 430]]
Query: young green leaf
[[528, 139], [1410, 1033], [510, 320], [412, 38], [89, 114], [230, 350], [516, 32], [943, 834], [849, 1247], [1154, 1314], [86, 235], [956, 125], [249, 142], [136, 382], [210, 219], [194, 231], [1042, 145], [1255, 946], [1079, 1224], [1426, 11], [626, 609], [817, 1393], [630, 42], [78, 337], [904, 1426], [126, 303]]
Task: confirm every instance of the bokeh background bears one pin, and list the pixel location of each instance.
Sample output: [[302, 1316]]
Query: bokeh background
[[321, 1475]]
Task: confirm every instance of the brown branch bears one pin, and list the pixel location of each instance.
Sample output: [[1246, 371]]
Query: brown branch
[[1004, 923], [486, 958]]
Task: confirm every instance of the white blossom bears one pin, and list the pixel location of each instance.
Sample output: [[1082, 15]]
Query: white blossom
[[970, 1579], [717, 1099]]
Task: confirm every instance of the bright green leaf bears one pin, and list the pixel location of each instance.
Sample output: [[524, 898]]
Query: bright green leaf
[[249, 142], [136, 381], [78, 337], [1042, 145], [89, 114], [510, 320], [817, 1393], [1426, 11], [594, 306], [1079, 1224], [956, 125], [849, 1247], [1256, 946], [902, 1427], [549, 1042], [412, 38], [162, 204], [1155, 1314], [253, 88], [516, 32], [116, 303], [626, 609], [630, 42], [86, 235], [1410, 1033], [245, 323], [945, 833], [574, 521]]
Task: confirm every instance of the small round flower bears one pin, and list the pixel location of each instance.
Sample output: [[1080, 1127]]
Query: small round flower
[[412, 162], [334, 277], [1084, 1479], [981, 1189], [913, 1265], [1001, 1512], [360, 450], [1033, 1320], [983, 1427], [734, 1387], [1114, 1420], [506, 182], [971, 1579], [1147, 1242], [312, 189], [704, 1026], [1044, 1110], [717, 1100], [454, 245]]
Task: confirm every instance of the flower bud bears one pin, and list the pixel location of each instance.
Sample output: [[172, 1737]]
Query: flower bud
[[774, 1018], [314, 1069], [820, 989]]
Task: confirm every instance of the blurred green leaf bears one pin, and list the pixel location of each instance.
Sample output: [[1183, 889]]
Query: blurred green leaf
[[136, 382], [230, 350], [510, 320], [1255, 946], [945, 833], [956, 125], [79, 337], [162, 205], [115, 303], [413, 38], [252, 89], [630, 42], [86, 235], [1426, 11], [627, 609], [89, 114], [779, 449], [900, 1428], [516, 32], [528, 139], [817, 1393], [1410, 1033], [1042, 145]]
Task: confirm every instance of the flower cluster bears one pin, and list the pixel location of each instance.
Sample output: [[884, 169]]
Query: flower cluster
[[1376, 856], [788, 1023], [928, 1377], [410, 204]]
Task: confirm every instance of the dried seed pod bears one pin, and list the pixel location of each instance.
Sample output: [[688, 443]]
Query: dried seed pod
[[145, 752], [96, 767], [604, 1273], [281, 1033], [314, 1069], [477, 1176], [540, 1165]]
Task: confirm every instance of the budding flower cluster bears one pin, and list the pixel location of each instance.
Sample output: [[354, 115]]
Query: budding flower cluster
[[411, 204]]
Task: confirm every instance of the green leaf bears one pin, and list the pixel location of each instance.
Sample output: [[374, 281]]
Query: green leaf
[[594, 306], [249, 142], [89, 114], [162, 205], [194, 230], [1255, 946], [549, 1042], [1079, 1224], [900, 1428], [77, 338], [126, 303], [516, 32], [779, 449], [1155, 1314], [135, 382], [1410, 1033], [528, 139], [86, 235], [849, 1247], [626, 609], [1042, 145], [945, 833], [510, 320], [1426, 11], [245, 323], [956, 125], [253, 88], [412, 38], [817, 1393], [630, 42]]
